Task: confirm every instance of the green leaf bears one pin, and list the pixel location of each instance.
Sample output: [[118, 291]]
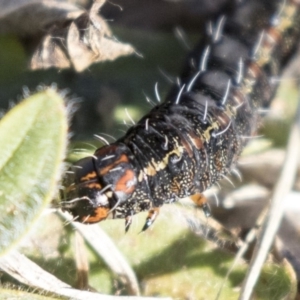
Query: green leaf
[[33, 138]]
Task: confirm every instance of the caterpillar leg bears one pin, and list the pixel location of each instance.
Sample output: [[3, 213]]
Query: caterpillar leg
[[152, 215], [128, 222], [201, 201]]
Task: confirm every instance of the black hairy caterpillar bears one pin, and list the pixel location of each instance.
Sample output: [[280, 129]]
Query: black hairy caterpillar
[[189, 142]]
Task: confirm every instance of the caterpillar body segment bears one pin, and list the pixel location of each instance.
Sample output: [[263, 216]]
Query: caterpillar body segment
[[194, 138]]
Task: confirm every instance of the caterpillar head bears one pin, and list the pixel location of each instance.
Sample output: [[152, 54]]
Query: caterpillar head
[[96, 185]]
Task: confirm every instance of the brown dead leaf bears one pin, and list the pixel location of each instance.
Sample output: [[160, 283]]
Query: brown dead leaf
[[33, 17], [85, 40], [50, 55]]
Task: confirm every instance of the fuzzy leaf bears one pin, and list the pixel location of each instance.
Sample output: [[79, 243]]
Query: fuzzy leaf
[[33, 143]]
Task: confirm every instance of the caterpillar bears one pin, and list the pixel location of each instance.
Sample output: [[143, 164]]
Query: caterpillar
[[194, 138]]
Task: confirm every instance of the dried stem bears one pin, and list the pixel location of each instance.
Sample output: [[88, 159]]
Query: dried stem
[[24, 270], [275, 213], [106, 249]]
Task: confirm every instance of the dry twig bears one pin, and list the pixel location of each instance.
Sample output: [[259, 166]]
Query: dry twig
[[106, 249], [275, 213], [24, 270]]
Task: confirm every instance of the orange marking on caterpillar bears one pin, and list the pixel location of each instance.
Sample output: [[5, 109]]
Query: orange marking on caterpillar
[[223, 119], [198, 199], [126, 182], [239, 98], [197, 142], [123, 159], [254, 70], [187, 147], [89, 176], [101, 152], [94, 185], [100, 213]]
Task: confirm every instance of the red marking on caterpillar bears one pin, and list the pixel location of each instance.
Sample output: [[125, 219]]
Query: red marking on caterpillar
[[194, 138]]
